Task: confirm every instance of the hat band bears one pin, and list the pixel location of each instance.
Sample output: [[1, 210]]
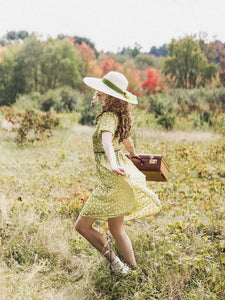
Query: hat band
[[132, 98], [113, 86]]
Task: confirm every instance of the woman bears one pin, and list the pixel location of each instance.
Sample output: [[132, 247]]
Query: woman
[[122, 193]]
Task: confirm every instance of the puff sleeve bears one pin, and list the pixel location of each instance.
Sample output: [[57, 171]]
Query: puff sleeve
[[108, 122]]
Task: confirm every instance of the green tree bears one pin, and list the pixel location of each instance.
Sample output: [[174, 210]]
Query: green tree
[[13, 36], [133, 52], [186, 65], [28, 65], [8, 75], [60, 65], [160, 51], [222, 71], [143, 61], [20, 70], [37, 66]]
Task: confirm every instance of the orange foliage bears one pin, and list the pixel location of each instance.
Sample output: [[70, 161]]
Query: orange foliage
[[94, 68], [86, 52], [110, 65], [90, 65], [133, 76], [71, 39], [153, 82], [128, 69]]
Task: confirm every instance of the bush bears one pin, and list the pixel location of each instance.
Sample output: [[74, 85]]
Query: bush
[[202, 106], [28, 101], [164, 110], [167, 121], [32, 125], [202, 120], [88, 111], [185, 102], [219, 124], [62, 99]]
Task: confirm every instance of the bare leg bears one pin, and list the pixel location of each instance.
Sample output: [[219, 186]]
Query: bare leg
[[99, 241], [123, 242]]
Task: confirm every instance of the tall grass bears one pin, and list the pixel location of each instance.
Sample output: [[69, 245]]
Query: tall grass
[[180, 252]]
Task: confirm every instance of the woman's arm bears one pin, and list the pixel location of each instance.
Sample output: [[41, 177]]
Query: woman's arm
[[110, 154], [128, 143]]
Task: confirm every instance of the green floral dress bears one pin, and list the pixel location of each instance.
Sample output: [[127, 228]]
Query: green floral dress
[[118, 195]]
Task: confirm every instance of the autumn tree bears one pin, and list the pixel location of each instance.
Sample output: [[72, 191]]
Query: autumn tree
[[153, 83], [133, 76], [213, 51], [109, 64], [90, 66], [78, 40], [186, 65], [222, 71]]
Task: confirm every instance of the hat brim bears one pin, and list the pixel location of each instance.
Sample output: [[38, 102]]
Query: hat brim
[[97, 84]]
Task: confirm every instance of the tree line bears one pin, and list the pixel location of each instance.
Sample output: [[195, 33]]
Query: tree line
[[28, 64]]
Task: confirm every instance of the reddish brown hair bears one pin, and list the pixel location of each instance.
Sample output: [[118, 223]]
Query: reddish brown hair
[[122, 110]]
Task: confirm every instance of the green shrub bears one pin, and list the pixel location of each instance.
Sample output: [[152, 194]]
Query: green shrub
[[203, 119], [219, 123], [28, 101], [167, 121], [163, 109], [185, 102], [88, 111], [62, 99]]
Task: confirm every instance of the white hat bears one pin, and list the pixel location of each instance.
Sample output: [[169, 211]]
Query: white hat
[[113, 84]]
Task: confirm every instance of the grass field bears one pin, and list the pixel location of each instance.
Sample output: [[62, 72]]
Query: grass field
[[180, 252]]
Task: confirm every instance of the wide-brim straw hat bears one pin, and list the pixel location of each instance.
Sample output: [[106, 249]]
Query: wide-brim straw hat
[[113, 84]]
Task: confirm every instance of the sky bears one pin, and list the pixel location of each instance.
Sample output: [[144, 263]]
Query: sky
[[115, 24]]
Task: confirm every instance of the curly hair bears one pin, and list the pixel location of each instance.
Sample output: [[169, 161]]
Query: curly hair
[[122, 110]]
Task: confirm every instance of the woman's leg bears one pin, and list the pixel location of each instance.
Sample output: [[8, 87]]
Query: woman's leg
[[123, 242], [99, 241]]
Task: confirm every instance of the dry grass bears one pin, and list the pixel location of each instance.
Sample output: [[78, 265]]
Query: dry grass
[[196, 136], [156, 135], [41, 255]]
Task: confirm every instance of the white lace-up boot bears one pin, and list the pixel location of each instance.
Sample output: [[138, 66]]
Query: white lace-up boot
[[118, 267]]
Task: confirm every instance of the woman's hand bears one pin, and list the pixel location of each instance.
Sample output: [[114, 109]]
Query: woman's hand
[[131, 155], [119, 170]]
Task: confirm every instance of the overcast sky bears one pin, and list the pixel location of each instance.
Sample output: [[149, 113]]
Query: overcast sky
[[114, 24]]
